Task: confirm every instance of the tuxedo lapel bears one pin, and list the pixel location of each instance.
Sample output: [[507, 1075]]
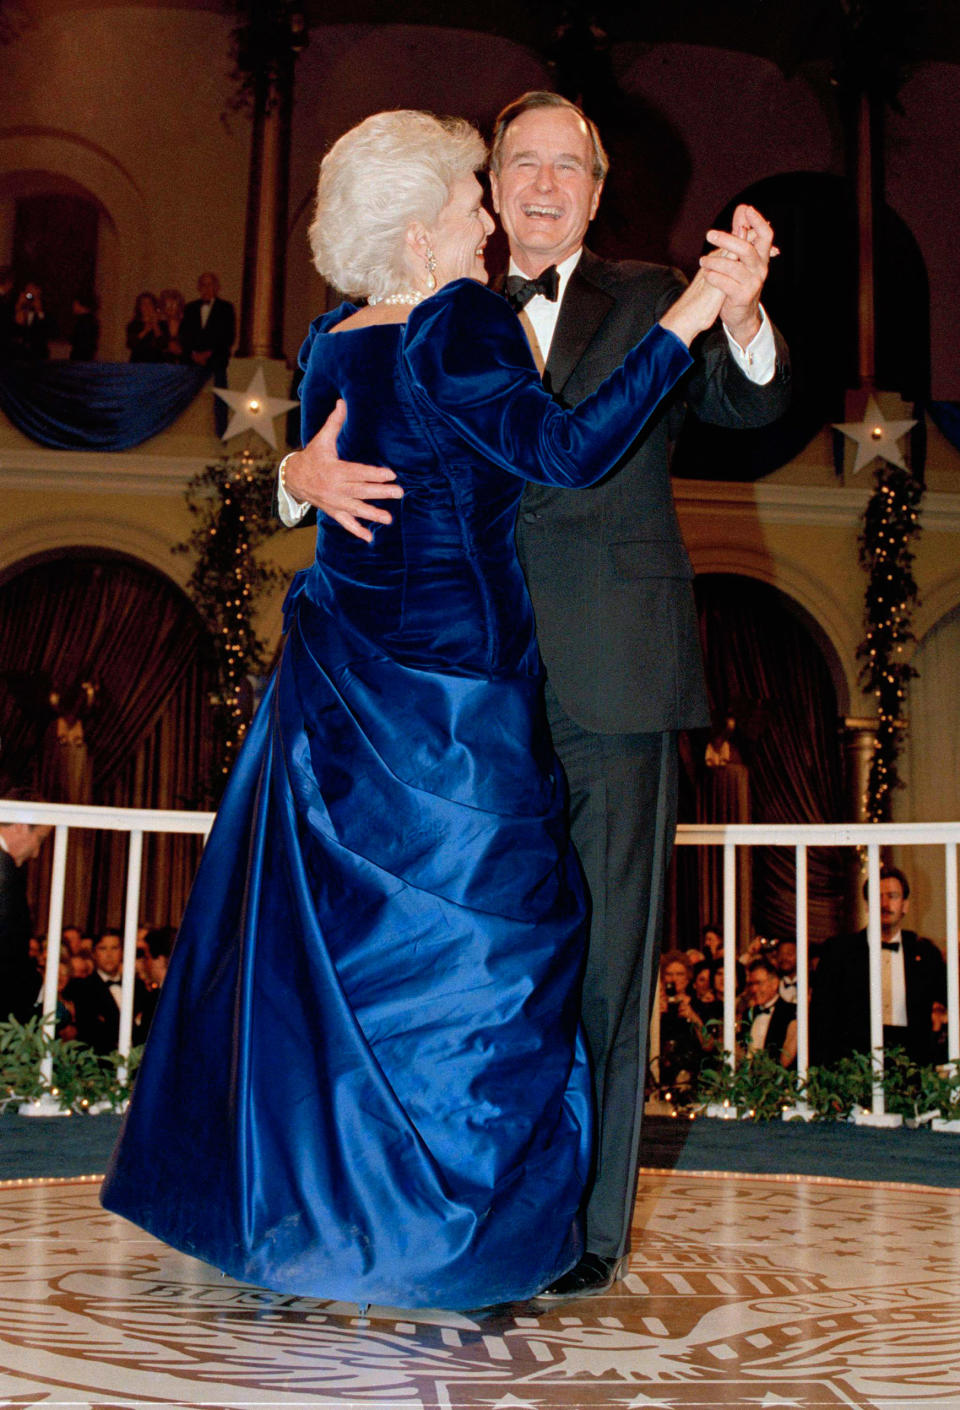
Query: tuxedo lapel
[[584, 308]]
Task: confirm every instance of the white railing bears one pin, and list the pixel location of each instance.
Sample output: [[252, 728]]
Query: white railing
[[871, 836], [135, 821], [800, 836]]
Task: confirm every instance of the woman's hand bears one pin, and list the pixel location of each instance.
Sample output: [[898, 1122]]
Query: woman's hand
[[695, 310]]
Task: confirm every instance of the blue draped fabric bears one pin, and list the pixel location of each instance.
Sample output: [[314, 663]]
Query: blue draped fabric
[[946, 418], [96, 405]]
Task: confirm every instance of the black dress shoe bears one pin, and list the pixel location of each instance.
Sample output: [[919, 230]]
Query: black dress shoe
[[593, 1274]]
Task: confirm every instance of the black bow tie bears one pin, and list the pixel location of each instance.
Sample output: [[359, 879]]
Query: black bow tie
[[889, 944], [518, 290], [765, 1008]]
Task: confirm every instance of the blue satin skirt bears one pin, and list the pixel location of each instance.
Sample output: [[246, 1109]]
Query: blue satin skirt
[[364, 1079]]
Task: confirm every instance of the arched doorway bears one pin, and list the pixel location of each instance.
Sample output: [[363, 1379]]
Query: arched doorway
[[54, 232], [766, 669], [815, 278], [105, 686]]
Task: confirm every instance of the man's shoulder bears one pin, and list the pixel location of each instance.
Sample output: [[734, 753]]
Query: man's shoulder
[[923, 945], [623, 278]]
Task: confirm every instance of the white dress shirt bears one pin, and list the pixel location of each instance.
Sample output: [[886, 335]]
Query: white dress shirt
[[894, 985]]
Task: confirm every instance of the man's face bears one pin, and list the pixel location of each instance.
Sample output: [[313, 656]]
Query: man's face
[[108, 954], [787, 957], [763, 986], [545, 192], [893, 907], [24, 840], [208, 287]]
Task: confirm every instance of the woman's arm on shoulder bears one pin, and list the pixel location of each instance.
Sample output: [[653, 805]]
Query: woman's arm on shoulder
[[468, 360]]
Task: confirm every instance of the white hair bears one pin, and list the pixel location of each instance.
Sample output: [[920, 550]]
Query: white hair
[[390, 170]]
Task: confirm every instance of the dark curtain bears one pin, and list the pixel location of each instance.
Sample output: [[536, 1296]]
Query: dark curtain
[[128, 630], [763, 664]]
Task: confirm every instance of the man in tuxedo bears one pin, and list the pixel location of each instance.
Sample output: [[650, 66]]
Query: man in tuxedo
[[208, 331], [770, 1023], [96, 998], [19, 986], [610, 581], [914, 980]]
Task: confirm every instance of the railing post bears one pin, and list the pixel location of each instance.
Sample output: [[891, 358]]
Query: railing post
[[130, 925], [953, 955], [47, 1104], [803, 969], [875, 961], [730, 950]]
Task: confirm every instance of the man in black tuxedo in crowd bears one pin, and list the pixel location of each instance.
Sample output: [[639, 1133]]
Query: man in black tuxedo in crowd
[[208, 331], [610, 581], [914, 979], [20, 842], [770, 1023], [96, 998]]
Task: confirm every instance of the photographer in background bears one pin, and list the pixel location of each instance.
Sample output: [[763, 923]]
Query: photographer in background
[[683, 1038], [29, 332]]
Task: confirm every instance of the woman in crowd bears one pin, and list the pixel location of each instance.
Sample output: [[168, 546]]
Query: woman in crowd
[[146, 335], [364, 1079], [683, 1038], [171, 315]]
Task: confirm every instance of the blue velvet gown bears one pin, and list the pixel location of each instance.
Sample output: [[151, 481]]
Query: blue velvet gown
[[364, 1079]]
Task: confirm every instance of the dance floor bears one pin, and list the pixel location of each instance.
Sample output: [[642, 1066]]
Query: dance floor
[[743, 1291]]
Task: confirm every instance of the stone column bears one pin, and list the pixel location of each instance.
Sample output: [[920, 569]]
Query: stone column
[[265, 236]]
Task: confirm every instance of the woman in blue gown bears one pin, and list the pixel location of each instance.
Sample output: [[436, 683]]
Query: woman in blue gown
[[364, 1079]]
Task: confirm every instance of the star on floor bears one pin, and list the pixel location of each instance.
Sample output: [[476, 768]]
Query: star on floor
[[253, 410], [875, 436]]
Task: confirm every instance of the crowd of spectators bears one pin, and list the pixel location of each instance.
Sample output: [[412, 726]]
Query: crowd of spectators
[[89, 981], [164, 327], [913, 997]]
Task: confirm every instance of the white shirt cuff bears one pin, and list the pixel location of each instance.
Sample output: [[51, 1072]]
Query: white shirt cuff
[[291, 510], [758, 361]]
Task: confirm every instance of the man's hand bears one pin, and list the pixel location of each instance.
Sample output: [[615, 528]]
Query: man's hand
[[340, 488], [738, 267]]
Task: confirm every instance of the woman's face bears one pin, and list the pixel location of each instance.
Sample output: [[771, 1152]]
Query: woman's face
[[462, 229], [701, 984], [676, 974], [146, 308]]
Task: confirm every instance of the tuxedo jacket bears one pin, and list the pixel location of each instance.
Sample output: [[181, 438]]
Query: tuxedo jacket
[[217, 337], [781, 1017], [607, 569], [840, 1004], [19, 983], [98, 1014]]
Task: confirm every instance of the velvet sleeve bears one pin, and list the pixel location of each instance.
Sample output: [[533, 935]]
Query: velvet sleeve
[[468, 361]]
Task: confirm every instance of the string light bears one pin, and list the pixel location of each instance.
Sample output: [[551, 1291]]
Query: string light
[[233, 501], [891, 523]]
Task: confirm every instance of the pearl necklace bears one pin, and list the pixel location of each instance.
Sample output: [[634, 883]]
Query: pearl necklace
[[410, 296]]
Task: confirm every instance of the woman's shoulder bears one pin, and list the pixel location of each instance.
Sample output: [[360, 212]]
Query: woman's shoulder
[[324, 323], [465, 327], [461, 298]]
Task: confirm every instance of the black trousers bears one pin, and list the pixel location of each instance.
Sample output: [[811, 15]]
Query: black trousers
[[623, 808]]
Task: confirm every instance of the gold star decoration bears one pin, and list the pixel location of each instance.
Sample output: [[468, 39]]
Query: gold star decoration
[[253, 410], [875, 437]]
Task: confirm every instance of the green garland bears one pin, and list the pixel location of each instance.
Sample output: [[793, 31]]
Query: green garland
[[759, 1089], [82, 1082], [891, 522], [232, 502]]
